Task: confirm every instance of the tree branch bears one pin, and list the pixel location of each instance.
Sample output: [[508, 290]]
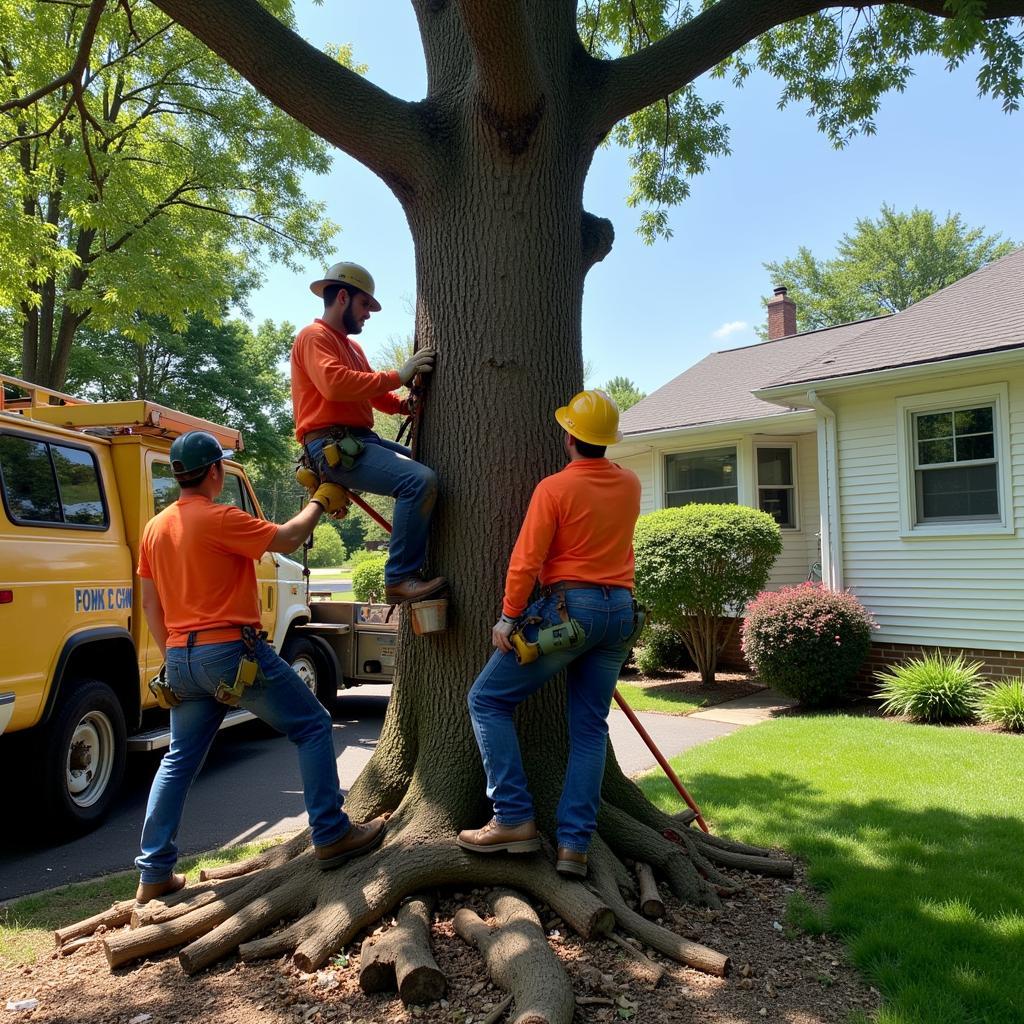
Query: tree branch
[[376, 128], [634, 82], [507, 67], [74, 74]]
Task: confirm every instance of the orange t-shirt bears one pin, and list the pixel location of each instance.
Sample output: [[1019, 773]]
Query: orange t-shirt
[[332, 383], [579, 526], [200, 557]]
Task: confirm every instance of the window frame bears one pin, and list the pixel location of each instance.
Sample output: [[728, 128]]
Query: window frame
[[230, 472], [735, 444], [908, 407], [794, 486], [46, 523]]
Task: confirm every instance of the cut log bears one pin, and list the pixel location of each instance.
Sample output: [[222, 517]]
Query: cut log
[[520, 961], [401, 958], [651, 904], [652, 972]]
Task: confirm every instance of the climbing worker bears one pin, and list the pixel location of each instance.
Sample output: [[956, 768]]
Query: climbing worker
[[577, 539], [201, 602], [334, 393]]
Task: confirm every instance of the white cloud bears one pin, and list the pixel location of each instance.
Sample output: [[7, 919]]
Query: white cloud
[[730, 328]]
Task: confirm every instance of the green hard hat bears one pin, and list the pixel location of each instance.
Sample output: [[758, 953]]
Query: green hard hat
[[194, 451]]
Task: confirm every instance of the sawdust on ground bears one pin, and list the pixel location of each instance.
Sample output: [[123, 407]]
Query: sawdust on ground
[[778, 975]]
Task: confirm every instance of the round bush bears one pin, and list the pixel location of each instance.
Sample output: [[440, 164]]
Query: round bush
[[696, 566], [1003, 705], [368, 578], [646, 660], [663, 648], [932, 688], [807, 641], [328, 548]]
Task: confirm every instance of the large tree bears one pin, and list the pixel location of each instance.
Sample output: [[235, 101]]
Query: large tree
[[489, 168], [139, 175], [884, 265]]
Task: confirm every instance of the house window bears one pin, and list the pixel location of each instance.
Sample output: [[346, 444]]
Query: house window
[[776, 484], [704, 476], [956, 472]]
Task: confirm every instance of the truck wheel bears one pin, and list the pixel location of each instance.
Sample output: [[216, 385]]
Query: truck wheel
[[82, 756], [307, 665]]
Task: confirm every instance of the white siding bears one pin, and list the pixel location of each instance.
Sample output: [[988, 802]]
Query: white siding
[[643, 466], [957, 591], [800, 546]]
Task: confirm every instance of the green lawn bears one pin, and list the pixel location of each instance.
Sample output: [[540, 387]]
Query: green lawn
[[658, 698], [27, 926], [916, 834]]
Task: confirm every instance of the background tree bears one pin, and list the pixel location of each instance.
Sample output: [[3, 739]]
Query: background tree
[[883, 266], [143, 176], [625, 392], [489, 168]]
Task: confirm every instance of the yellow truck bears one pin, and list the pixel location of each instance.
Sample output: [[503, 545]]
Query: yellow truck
[[78, 481]]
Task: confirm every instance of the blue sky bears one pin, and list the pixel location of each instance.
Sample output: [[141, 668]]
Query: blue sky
[[651, 311]]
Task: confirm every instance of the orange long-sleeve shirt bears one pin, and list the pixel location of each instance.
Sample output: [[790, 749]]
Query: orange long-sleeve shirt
[[332, 383], [579, 526]]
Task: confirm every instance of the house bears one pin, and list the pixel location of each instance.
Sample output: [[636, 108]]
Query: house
[[890, 452]]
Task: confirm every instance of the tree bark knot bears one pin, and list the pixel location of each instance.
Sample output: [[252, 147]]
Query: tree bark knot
[[514, 135]]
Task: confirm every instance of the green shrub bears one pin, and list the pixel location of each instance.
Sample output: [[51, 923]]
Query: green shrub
[[662, 648], [360, 556], [368, 578], [328, 548], [807, 641], [933, 688], [1003, 704], [697, 567]]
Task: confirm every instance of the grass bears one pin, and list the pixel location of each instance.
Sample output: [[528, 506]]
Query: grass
[[27, 925], [914, 833], [658, 698]]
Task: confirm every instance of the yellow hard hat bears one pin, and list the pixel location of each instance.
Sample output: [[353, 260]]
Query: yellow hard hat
[[591, 416], [347, 273]]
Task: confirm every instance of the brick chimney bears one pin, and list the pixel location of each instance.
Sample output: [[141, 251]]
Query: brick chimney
[[781, 315]]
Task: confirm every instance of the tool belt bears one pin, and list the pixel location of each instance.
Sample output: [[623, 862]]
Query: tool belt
[[161, 689], [563, 585], [563, 636], [343, 448]]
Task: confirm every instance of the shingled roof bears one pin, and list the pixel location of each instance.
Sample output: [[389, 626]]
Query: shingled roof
[[718, 388], [983, 312]]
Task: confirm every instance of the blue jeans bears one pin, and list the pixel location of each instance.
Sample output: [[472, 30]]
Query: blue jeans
[[592, 670], [280, 698], [385, 467]]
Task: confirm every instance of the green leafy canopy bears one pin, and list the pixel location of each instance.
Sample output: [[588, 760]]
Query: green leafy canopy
[[138, 174], [838, 63]]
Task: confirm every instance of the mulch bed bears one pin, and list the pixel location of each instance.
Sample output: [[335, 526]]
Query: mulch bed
[[727, 685], [777, 975]]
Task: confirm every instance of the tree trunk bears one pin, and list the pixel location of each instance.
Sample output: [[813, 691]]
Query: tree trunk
[[502, 249]]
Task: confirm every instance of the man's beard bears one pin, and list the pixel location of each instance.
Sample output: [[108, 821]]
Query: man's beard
[[352, 325]]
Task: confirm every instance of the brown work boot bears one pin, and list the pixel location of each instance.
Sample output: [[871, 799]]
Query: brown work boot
[[154, 890], [413, 589], [358, 839], [497, 838], [571, 862]]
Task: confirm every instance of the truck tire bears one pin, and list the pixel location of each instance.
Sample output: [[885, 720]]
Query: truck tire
[[81, 757], [307, 664]]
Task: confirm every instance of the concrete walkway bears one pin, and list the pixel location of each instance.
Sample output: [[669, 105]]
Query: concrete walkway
[[673, 734]]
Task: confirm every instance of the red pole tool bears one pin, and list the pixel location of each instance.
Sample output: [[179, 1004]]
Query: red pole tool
[[370, 511], [665, 766]]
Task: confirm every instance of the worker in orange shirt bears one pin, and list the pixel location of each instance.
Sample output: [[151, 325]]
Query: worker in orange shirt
[[200, 599], [334, 393], [577, 540]]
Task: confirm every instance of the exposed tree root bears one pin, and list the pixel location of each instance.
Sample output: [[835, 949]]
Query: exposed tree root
[[693, 954], [158, 911], [651, 903], [520, 961], [276, 855], [401, 959]]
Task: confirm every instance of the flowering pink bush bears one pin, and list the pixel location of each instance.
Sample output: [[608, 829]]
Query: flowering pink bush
[[807, 641]]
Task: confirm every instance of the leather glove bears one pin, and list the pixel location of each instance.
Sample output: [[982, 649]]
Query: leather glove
[[420, 362], [333, 498]]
